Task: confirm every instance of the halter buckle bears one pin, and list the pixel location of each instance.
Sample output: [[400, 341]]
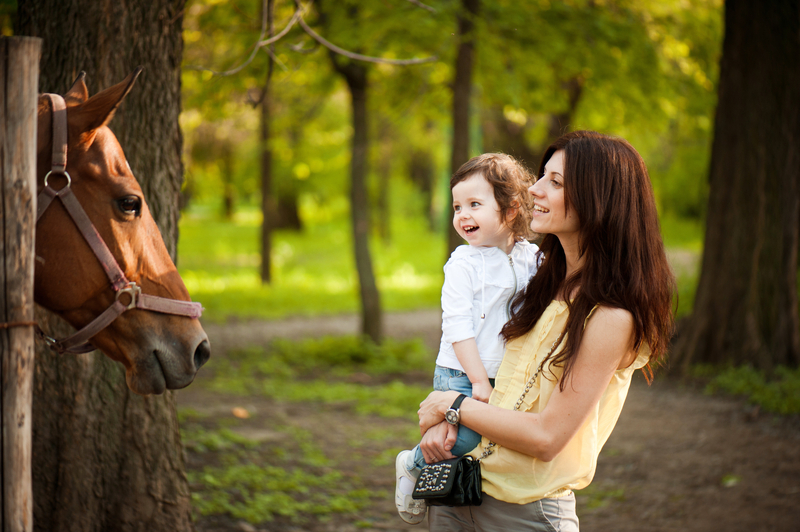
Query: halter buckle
[[133, 290]]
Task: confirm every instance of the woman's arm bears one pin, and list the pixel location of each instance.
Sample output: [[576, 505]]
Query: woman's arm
[[606, 346]]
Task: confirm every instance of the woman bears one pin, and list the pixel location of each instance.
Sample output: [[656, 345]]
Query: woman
[[598, 309]]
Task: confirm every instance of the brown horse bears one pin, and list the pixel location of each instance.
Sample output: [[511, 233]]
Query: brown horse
[[160, 349]]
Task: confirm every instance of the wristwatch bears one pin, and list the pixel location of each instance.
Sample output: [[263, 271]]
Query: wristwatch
[[453, 414]]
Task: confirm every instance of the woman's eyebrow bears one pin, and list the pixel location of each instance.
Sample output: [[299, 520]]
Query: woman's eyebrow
[[544, 172]]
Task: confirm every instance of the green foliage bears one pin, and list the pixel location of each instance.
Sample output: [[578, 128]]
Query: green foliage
[[351, 353], [647, 69], [219, 440], [778, 393], [259, 492], [290, 371]]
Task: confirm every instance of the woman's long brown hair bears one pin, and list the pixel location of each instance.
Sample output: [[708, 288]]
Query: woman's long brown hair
[[625, 265]]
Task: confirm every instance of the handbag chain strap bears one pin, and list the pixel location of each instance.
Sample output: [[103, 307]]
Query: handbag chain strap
[[489, 449]]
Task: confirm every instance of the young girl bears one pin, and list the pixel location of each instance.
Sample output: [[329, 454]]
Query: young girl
[[492, 212]]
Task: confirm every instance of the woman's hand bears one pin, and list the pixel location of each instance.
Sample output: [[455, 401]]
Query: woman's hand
[[431, 410], [437, 442]]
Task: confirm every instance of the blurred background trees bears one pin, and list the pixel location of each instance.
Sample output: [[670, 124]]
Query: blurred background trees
[[375, 143]]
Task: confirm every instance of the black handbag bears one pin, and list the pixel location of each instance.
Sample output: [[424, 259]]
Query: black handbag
[[454, 482]]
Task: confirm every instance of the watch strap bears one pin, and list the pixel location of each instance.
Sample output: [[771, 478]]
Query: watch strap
[[458, 401]]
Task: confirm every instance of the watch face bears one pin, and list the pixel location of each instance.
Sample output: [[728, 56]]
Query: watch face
[[452, 416]]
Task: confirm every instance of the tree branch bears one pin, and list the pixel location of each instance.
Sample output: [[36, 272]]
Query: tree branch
[[298, 18], [423, 6], [256, 47], [359, 57]]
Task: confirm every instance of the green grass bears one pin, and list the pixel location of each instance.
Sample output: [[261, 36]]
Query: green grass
[[248, 485], [313, 271], [291, 478], [778, 393], [321, 370]]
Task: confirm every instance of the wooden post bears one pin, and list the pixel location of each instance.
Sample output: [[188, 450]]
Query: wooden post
[[19, 81]]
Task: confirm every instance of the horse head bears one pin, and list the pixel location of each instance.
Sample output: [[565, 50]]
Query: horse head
[[159, 350]]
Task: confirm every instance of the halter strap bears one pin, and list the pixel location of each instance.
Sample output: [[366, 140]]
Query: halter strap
[[78, 342], [59, 164]]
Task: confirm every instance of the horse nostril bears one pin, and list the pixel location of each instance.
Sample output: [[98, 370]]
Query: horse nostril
[[201, 354]]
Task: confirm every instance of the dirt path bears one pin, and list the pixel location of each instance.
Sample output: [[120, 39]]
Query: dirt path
[[677, 460]]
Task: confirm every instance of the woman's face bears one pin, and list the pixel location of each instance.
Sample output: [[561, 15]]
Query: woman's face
[[549, 210]]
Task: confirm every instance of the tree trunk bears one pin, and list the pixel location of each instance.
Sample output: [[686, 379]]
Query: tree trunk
[[287, 213], [371, 320], [422, 170], [560, 122], [267, 198], [462, 87], [384, 176], [106, 459], [502, 135], [746, 304], [228, 189]]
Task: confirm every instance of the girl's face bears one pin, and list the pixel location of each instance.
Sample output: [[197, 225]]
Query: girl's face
[[549, 209], [476, 215]]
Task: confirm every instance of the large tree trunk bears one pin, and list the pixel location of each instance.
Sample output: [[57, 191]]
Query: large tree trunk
[[106, 459], [746, 304], [462, 88]]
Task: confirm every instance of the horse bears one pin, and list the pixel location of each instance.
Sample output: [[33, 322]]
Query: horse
[[107, 271]]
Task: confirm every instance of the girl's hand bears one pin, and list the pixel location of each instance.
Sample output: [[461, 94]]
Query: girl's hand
[[437, 442], [431, 410], [481, 391]]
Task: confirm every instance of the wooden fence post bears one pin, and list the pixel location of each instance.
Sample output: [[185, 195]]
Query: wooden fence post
[[19, 81]]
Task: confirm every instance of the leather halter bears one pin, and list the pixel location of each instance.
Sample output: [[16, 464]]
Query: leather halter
[[78, 342]]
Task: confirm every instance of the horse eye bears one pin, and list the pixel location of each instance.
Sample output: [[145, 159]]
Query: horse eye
[[130, 205]]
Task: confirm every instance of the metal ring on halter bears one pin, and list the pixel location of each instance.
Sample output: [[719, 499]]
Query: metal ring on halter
[[64, 173], [132, 290]]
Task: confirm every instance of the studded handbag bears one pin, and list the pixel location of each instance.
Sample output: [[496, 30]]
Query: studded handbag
[[454, 482]]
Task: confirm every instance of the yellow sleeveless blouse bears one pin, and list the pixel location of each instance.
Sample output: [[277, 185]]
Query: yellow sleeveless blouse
[[514, 477]]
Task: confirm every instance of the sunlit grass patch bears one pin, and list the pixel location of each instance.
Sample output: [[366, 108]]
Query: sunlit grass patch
[[313, 271]]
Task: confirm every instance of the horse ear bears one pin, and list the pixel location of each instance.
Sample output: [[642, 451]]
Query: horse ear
[[78, 93], [98, 110]]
